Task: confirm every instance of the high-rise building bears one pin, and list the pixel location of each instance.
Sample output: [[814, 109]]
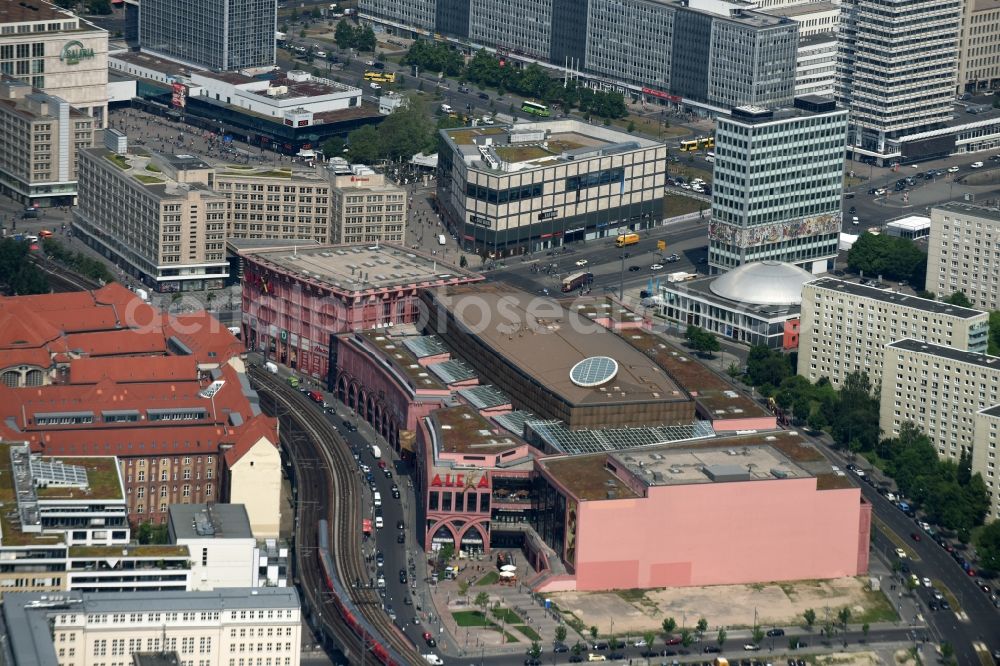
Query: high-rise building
[[778, 183], [953, 396], [368, 209], [963, 253], [896, 70], [713, 53], [844, 327], [155, 216], [41, 137], [215, 34], [75, 629], [979, 47], [54, 50]]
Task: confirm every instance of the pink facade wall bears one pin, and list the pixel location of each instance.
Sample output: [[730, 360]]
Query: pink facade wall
[[356, 368], [712, 534], [768, 422]]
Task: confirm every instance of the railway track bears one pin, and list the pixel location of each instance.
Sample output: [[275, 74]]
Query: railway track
[[328, 486], [61, 279]]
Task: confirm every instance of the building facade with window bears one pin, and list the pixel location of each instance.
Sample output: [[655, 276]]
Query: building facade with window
[[265, 203], [42, 138], [896, 70], [778, 182], [953, 396], [963, 253], [512, 189], [230, 627], [222, 35], [845, 327], [53, 49], [367, 208], [979, 49], [156, 217]]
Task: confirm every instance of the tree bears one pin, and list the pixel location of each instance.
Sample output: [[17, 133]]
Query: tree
[[669, 624], [958, 298], [702, 627], [988, 545], [686, 637], [810, 617], [482, 600], [701, 340], [844, 615], [593, 632], [757, 636], [560, 633], [343, 34], [889, 257], [364, 39], [865, 628], [766, 366], [535, 650], [99, 7], [20, 276], [631, 126], [462, 261], [993, 346], [577, 648], [947, 651], [721, 637], [649, 638]]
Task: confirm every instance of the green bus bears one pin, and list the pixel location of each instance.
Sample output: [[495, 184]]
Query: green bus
[[535, 108]]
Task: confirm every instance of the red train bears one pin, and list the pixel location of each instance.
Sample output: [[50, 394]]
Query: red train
[[357, 622]]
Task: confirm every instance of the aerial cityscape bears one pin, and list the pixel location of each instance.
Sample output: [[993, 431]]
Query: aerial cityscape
[[480, 333]]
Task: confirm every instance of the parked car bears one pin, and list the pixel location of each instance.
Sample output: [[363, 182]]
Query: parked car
[[953, 169], [775, 632], [656, 267], [976, 165], [429, 639], [750, 647], [375, 86], [433, 660]]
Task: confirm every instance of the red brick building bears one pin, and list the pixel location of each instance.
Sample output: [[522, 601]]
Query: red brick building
[[102, 373]]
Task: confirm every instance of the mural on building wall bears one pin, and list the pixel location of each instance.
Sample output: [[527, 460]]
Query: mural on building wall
[[722, 232], [571, 532]]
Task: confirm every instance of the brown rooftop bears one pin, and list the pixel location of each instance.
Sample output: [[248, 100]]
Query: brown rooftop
[[153, 62], [396, 353], [588, 477], [545, 341], [463, 430], [21, 11]]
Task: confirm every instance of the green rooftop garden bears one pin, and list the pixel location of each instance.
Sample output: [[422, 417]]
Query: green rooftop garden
[[119, 161], [148, 180]]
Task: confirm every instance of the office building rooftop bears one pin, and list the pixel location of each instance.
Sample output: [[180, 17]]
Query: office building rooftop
[[897, 298]]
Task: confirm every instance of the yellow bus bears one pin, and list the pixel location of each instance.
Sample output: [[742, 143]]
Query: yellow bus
[[687, 146], [380, 77]]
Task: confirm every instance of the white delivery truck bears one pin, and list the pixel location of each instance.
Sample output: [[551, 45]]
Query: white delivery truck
[[271, 367], [442, 240], [378, 498], [377, 452]]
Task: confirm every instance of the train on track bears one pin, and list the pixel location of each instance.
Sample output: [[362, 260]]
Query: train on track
[[354, 620]]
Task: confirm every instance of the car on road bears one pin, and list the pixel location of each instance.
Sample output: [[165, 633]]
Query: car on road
[[881, 192], [484, 96], [656, 267], [429, 639], [581, 262], [976, 165], [530, 661], [926, 582], [943, 603], [855, 221], [900, 553], [320, 54], [387, 473], [673, 259], [379, 558], [616, 656], [750, 647], [600, 645], [400, 525], [375, 86], [349, 426], [596, 657], [560, 647], [953, 169], [672, 640], [433, 660], [712, 649], [633, 269], [401, 537], [775, 632], [575, 658], [402, 576], [915, 536], [933, 605]]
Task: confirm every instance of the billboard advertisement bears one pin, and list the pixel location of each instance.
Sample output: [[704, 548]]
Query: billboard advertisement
[[179, 97]]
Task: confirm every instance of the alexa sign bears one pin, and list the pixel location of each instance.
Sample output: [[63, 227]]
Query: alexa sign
[[460, 481], [74, 52]]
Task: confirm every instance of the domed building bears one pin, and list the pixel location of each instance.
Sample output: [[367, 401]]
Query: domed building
[[755, 304]]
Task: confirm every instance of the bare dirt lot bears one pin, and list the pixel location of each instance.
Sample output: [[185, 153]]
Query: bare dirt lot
[[731, 606]]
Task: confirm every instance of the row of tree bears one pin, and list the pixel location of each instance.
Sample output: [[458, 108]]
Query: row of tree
[[89, 267], [491, 71], [17, 274], [349, 36]]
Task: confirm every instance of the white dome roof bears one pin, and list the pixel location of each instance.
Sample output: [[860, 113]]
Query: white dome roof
[[763, 283]]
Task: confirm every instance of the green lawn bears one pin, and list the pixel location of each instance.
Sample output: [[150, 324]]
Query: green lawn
[[118, 161], [147, 180], [506, 615], [676, 204], [489, 579], [689, 170], [877, 609], [471, 619], [529, 632]]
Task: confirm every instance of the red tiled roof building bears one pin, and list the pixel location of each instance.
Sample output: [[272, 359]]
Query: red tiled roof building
[[103, 373]]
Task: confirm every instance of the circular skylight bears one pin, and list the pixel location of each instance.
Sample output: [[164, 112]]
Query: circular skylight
[[594, 371]]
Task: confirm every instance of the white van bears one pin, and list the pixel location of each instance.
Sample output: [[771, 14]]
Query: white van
[[271, 367], [445, 108], [377, 452], [379, 523], [442, 240], [378, 498]]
